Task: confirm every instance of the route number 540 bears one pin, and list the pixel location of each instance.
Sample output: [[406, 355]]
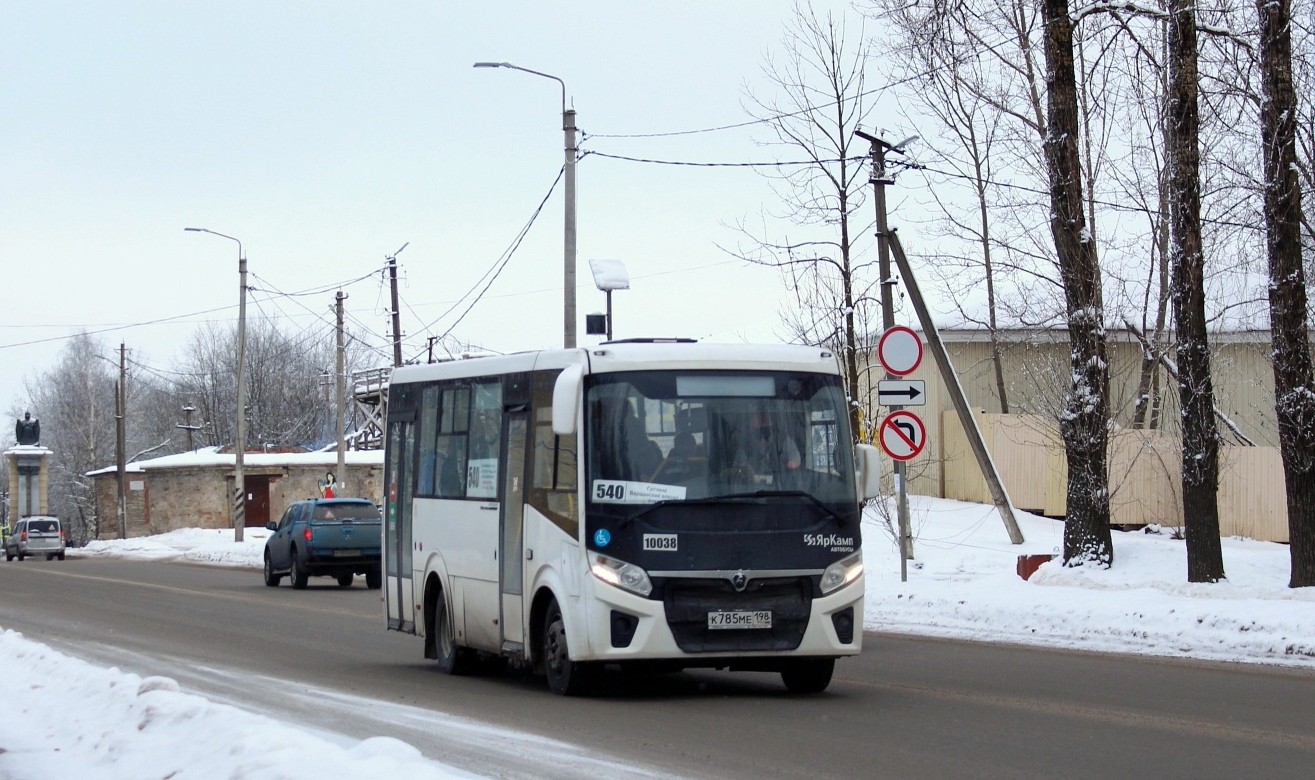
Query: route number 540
[[613, 491]]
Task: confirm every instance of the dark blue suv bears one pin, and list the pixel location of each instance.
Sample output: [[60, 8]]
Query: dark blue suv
[[330, 537]]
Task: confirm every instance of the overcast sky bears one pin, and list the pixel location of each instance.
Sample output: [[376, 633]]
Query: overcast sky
[[326, 135]]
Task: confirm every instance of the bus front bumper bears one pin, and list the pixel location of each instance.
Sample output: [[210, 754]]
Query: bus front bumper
[[627, 627]]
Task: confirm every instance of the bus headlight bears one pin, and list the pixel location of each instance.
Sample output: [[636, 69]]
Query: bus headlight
[[619, 573], [842, 572]]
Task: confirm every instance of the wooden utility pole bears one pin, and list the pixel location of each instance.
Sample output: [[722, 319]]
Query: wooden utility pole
[[188, 426], [397, 315], [340, 392]]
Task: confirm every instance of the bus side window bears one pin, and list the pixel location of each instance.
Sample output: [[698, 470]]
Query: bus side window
[[485, 441], [448, 477], [428, 455]]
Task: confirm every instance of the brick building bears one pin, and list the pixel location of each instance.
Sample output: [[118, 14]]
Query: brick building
[[190, 490]]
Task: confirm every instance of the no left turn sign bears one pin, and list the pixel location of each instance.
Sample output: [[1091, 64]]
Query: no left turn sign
[[902, 435], [899, 350]]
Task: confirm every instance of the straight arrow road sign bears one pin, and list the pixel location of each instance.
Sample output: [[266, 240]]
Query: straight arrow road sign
[[902, 392]]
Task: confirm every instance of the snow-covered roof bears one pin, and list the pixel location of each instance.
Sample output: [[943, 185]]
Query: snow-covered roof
[[210, 457]]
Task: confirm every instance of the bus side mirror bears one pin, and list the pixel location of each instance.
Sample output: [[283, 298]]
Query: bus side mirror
[[566, 400], [869, 471]]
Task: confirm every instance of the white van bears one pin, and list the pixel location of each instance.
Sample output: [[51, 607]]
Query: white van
[[38, 535]]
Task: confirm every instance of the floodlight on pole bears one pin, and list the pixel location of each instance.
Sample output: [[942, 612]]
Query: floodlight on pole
[[610, 275], [240, 444], [568, 277]]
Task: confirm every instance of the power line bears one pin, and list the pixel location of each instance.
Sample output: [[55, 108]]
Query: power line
[[778, 164], [498, 265], [769, 119], [110, 329], [1107, 204]]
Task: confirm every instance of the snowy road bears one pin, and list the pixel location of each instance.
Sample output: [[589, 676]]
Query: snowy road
[[915, 707]]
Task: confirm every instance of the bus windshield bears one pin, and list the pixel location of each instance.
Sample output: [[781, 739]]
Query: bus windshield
[[677, 435]]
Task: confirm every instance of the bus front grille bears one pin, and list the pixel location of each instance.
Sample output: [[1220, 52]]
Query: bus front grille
[[688, 602]]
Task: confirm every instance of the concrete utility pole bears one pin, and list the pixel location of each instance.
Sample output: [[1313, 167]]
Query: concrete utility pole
[[966, 417], [397, 315], [568, 278], [120, 432], [240, 445], [341, 382]]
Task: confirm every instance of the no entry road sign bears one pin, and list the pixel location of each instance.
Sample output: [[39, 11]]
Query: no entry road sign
[[902, 435], [899, 350]]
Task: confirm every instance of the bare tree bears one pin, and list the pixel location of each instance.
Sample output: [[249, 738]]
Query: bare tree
[[816, 103], [1083, 422], [1294, 390], [959, 99], [285, 400], [75, 401], [1200, 437]]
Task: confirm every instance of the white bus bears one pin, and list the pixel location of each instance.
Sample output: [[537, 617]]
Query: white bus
[[659, 504]]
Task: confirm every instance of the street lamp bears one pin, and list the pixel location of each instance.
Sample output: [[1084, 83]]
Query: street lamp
[[568, 126], [239, 448]]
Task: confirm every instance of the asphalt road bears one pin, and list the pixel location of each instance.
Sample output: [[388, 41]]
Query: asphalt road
[[906, 708]]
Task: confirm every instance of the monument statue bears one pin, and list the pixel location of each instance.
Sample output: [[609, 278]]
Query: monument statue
[[27, 430]]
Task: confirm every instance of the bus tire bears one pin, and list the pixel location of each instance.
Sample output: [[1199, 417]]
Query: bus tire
[[374, 579], [452, 658], [565, 677], [809, 675], [345, 580]]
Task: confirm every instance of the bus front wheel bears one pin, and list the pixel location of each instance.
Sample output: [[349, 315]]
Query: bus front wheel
[[565, 677], [811, 675]]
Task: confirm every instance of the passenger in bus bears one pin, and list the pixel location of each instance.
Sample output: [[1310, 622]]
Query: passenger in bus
[[684, 446], [645, 454], [685, 461]]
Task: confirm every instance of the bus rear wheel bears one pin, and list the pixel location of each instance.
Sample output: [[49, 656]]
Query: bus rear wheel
[[811, 675], [565, 677], [452, 659]]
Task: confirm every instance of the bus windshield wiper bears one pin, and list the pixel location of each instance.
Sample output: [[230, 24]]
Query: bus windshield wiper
[[735, 498]]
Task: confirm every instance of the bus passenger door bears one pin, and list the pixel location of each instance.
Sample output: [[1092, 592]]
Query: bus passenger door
[[512, 532], [398, 457]]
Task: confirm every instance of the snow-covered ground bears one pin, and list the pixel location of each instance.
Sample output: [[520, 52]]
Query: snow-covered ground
[[74, 719]]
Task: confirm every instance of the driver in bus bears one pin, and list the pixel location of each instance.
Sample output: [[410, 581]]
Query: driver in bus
[[770, 453]]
